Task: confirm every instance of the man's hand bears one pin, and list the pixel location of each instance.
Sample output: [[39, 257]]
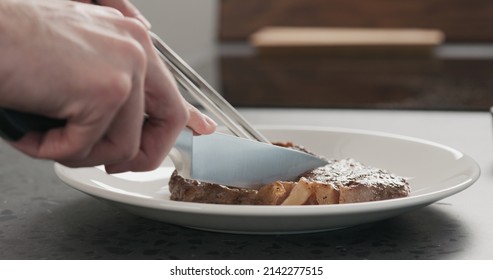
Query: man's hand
[[95, 67]]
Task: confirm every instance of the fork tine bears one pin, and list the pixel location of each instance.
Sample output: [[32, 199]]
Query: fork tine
[[205, 94]]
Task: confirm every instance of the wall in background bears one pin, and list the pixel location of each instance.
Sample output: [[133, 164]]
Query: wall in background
[[461, 20]]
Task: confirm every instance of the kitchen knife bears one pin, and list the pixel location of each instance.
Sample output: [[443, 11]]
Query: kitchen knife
[[216, 158], [233, 161]]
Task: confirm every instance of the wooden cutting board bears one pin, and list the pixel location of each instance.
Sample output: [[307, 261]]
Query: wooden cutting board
[[345, 41]]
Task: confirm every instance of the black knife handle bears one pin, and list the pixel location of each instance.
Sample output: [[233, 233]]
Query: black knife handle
[[14, 124]]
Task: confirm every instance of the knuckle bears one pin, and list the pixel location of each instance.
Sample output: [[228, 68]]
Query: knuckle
[[137, 29], [135, 52], [136, 46], [114, 89], [132, 43]]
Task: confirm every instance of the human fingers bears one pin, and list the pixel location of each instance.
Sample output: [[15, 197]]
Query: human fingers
[[154, 140], [121, 139], [166, 111], [158, 136], [199, 122], [108, 133]]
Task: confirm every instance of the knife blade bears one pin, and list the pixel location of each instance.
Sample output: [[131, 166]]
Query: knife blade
[[233, 161]]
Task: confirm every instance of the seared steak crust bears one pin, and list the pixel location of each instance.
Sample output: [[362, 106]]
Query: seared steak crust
[[340, 181]]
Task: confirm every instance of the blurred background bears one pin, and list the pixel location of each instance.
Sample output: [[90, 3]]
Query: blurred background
[[406, 54], [190, 28]]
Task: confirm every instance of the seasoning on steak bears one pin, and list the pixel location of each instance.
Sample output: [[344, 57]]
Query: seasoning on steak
[[340, 181]]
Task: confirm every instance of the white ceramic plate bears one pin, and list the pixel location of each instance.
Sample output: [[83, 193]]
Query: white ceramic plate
[[434, 172]]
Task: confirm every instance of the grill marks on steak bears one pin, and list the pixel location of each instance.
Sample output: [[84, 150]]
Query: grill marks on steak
[[340, 181]]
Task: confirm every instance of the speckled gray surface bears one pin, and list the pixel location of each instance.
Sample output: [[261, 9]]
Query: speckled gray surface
[[42, 218]]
